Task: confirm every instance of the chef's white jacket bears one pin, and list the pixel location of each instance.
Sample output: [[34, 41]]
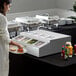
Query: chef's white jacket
[[4, 46]]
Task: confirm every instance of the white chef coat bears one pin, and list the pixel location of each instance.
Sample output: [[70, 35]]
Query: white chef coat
[[4, 46]]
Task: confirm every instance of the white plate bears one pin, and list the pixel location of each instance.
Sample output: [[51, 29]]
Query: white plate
[[16, 48]]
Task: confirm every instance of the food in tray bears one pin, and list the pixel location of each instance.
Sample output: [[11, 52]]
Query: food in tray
[[39, 43], [32, 41], [25, 39], [19, 37]]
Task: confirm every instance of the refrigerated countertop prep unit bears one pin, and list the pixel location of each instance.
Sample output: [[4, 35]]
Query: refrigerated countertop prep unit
[[41, 43]]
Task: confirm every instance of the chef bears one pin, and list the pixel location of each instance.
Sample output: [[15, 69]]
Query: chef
[[4, 38]]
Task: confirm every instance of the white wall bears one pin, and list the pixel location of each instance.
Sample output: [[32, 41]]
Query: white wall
[[64, 4], [31, 5]]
